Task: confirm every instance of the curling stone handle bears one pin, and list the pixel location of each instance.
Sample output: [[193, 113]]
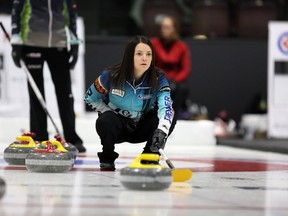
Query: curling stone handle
[[163, 154], [57, 143], [24, 138], [144, 156], [31, 143]]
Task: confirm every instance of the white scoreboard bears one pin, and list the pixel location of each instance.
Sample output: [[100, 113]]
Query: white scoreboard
[[278, 80]]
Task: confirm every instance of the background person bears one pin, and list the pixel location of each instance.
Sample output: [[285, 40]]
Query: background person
[[39, 35], [172, 55]]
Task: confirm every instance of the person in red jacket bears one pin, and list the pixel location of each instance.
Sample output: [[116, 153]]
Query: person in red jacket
[[174, 58]]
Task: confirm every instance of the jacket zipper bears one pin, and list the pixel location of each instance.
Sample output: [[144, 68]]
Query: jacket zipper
[[138, 87], [134, 90], [50, 23]]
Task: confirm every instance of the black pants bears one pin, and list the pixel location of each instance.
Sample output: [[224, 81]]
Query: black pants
[[114, 128], [57, 60]]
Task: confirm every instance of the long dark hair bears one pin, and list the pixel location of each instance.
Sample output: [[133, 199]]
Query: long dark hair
[[125, 70]]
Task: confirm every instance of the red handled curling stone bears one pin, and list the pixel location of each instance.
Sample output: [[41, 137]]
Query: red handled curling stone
[[2, 188], [68, 146], [50, 160], [17, 151], [143, 176]]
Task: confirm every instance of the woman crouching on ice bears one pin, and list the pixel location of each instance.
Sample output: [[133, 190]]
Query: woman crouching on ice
[[133, 101]]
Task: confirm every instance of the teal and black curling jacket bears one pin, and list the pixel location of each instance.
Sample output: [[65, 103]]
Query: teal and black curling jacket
[[132, 100]]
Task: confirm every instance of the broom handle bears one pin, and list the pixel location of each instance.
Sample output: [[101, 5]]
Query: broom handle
[[163, 154]]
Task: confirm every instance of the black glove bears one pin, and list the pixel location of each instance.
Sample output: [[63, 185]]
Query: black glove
[[158, 140], [17, 54], [73, 55]]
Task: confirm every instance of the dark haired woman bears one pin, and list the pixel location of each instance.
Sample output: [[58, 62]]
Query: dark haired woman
[[133, 101]]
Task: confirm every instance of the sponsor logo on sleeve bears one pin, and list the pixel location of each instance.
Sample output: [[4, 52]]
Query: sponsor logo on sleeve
[[169, 110], [99, 87]]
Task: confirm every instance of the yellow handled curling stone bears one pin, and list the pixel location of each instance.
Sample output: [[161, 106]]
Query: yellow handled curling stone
[[17, 151], [145, 173]]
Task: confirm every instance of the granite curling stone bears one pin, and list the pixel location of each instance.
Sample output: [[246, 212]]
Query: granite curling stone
[[2, 188], [50, 160], [17, 151], [145, 173], [68, 146]]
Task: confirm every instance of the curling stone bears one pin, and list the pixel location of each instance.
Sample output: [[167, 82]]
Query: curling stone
[[2, 188], [143, 176], [16, 152], [50, 160], [68, 146]]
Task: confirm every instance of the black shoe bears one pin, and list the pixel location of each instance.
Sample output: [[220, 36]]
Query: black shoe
[[107, 167], [107, 161], [80, 147]]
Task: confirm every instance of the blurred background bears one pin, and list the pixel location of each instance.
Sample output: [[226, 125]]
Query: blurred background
[[227, 40], [214, 18]]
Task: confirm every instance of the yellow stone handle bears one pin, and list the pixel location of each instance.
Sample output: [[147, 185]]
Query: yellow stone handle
[[55, 142], [31, 143], [148, 157]]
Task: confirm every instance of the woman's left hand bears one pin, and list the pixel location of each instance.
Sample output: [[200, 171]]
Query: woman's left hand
[[158, 140]]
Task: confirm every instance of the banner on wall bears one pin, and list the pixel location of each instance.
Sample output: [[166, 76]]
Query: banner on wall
[[14, 100], [278, 80]]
